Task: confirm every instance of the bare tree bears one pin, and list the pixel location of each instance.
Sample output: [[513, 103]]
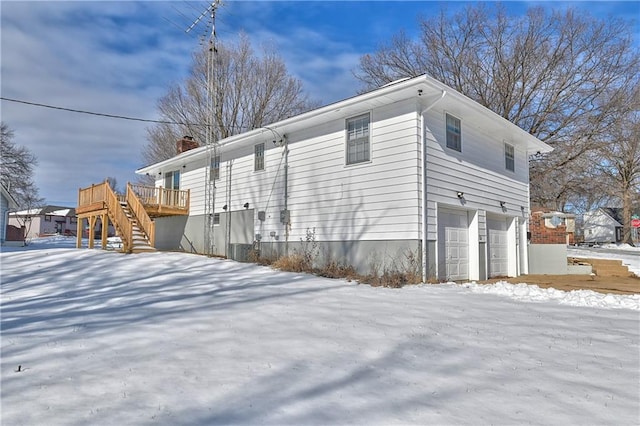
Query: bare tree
[[113, 183], [16, 170], [549, 73], [617, 162], [250, 91]]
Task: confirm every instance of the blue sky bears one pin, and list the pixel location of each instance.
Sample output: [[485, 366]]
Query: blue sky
[[120, 57]]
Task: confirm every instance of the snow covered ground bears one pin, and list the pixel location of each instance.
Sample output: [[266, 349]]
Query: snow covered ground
[[103, 338]]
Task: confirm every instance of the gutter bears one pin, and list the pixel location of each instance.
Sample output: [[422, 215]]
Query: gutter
[[424, 183]]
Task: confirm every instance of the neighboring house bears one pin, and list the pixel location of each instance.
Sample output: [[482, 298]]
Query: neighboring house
[[548, 226], [605, 225], [48, 220], [411, 171], [7, 203]]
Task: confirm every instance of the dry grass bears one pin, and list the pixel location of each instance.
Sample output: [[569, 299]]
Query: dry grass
[[332, 269], [293, 263]]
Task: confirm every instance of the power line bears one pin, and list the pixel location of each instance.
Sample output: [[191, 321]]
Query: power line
[[99, 114]]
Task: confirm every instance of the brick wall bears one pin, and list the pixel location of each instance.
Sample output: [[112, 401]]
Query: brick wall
[[540, 234]]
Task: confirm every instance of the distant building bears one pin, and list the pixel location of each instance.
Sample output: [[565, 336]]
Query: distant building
[[48, 220], [605, 225]]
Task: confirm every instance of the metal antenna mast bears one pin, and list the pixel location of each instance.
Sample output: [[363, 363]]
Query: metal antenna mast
[[212, 169]]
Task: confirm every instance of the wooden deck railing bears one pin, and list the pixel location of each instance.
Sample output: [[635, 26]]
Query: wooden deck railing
[[147, 225], [92, 196], [162, 198], [119, 217]]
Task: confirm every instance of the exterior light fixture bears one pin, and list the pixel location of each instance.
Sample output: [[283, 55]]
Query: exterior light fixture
[[224, 207], [460, 194], [246, 205], [502, 203]]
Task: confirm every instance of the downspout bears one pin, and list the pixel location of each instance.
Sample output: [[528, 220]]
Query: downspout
[[424, 182], [286, 194]]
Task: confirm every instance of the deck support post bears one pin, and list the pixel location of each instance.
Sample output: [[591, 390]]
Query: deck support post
[[79, 233], [92, 232], [105, 228]]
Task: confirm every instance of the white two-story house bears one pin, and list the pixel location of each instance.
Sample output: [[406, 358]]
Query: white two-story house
[[413, 169]]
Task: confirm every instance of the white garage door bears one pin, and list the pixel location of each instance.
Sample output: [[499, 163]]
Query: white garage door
[[498, 248], [453, 245]]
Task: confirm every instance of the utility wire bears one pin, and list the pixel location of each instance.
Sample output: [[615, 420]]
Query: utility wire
[[120, 117]]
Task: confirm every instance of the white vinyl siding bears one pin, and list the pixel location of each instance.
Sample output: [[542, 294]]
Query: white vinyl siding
[[358, 139], [377, 202], [454, 133], [479, 172]]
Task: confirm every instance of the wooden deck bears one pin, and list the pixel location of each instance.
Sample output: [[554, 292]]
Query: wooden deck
[[130, 213]]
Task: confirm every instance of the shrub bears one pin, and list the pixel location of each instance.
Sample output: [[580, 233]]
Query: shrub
[[292, 263], [333, 269]]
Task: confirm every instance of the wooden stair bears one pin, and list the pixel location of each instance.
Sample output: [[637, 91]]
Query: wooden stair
[[609, 268], [139, 241]]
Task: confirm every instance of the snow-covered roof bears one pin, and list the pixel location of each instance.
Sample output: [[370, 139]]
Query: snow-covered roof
[[63, 212], [424, 89], [46, 210]]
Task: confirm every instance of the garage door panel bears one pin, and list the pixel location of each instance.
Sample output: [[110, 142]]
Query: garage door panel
[[453, 233], [498, 247]]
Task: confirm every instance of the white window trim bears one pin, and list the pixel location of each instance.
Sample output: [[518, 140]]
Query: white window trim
[[173, 174], [346, 139], [513, 159], [214, 172], [446, 132], [255, 157]]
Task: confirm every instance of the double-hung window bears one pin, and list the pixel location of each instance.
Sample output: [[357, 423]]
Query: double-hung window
[[509, 157], [258, 163], [214, 172], [358, 139], [454, 133]]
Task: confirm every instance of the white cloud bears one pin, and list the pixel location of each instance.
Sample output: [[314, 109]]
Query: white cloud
[[79, 56]]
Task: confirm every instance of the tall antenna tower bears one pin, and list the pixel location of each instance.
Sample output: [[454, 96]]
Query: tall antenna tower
[[212, 169]]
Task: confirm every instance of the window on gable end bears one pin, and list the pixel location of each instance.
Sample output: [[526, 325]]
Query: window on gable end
[[454, 133], [258, 163], [358, 139], [214, 172], [509, 157]]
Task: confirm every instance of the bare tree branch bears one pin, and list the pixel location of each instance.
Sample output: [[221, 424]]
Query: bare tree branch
[[250, 91], [17, 164], [551, 73]]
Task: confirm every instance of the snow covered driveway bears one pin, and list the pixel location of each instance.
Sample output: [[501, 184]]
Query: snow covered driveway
[[103, 338]]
